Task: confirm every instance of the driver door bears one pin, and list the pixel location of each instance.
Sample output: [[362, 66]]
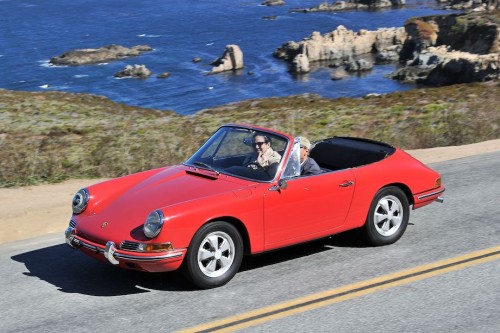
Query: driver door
[[309, 207]]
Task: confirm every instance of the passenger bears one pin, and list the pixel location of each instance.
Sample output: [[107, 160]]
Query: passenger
[[264, 154], [308, 165]]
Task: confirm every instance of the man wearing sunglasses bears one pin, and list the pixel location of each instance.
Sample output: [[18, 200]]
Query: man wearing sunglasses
[[264, 156]]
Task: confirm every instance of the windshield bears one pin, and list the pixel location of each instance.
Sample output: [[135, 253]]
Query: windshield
[[241, 152], [292, 168]]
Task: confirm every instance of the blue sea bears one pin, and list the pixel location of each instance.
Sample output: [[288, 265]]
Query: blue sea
[[33, 31]]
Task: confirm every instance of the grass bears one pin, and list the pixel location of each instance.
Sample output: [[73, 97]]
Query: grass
[[53, 136]]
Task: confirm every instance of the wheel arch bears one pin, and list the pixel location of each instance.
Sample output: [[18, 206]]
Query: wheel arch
[[406, 190], [238, 224]]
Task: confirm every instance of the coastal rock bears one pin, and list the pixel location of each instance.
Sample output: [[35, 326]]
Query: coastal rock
[[476, 5], [232, 59], [342, 44], [163, 75], [448, 49], [273, 3], [464, 68], [94, 56], [336, 6], [358, 65], [300, 64], [135, 71], [388, 55], [437, 66]]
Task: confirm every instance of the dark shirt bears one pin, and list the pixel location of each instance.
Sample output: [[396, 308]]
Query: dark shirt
[[309, 167]]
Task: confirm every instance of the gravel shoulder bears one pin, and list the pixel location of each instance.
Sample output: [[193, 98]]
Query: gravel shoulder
[[32, 211]]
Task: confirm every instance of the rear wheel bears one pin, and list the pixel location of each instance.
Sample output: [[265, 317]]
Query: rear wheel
[[214, 256], [388, 216]]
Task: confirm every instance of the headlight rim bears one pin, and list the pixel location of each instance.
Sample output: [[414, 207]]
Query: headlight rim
[[160, 220], [83, 201]]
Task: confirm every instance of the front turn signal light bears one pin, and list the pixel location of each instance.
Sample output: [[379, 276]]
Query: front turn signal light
[[155, 247]]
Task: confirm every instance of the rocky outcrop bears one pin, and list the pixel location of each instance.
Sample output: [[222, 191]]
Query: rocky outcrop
[[164, 75], [477, 5], [464, 68], [93, 56], [135, 71], [232, 59], [300, 64], [438, 66], [449, 49], [336, 6], [343, 44], [358, 65], [273, 3]]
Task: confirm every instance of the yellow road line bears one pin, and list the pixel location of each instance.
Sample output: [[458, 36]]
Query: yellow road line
[[328, 297]]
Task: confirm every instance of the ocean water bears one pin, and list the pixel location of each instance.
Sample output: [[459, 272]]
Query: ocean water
[[33, 31]]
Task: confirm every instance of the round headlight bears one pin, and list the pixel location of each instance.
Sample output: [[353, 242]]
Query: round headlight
[[153, 224], [80, 201]]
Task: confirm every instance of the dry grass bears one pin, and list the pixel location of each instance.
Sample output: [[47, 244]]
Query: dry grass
[[52, 136], [426, 30]]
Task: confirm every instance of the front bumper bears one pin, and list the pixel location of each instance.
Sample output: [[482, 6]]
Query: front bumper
[[145, 261]]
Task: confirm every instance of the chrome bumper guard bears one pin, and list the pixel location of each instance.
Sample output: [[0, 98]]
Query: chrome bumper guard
[[438, 199], [110, 251]]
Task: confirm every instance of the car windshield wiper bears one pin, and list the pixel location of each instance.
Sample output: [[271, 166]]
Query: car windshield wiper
[[206, 166]]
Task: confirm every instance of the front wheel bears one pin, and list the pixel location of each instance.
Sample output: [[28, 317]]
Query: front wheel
[[214, 256], [388, 216]]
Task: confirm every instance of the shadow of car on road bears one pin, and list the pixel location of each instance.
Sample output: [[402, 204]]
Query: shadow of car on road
[[73, 272], [349, 239]]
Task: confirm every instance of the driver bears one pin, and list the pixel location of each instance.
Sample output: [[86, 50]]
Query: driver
[[263, 154]]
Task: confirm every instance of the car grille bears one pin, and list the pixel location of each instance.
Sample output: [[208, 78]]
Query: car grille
[[129, 246], [72, 223]]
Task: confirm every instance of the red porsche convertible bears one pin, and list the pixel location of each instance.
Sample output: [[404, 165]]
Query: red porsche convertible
[[225, 201]]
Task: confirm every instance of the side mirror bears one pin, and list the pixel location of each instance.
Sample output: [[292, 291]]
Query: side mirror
[[282, 185]]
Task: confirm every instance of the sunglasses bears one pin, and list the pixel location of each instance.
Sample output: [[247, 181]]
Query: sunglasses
[[259, 144]]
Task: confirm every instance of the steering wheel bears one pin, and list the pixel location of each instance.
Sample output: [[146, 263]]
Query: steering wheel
[[256, 166]]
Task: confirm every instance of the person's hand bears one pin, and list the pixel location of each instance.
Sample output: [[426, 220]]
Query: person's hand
[[260, 158]]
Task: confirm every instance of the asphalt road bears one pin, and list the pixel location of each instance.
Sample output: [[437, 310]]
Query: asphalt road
[[48, 287]]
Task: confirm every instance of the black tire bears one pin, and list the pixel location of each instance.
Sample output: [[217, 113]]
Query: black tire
[[388, 217], [214, 255]]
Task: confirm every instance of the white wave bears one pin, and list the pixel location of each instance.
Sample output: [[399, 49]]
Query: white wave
[[148, 36], [47, 64], [78, 76], [208, 44], [51, 87]]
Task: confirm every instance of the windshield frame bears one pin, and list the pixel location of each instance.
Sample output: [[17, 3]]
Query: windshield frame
[[208, 152]]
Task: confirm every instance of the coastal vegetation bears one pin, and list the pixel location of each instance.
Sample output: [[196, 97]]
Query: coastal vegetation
[[53, 136]]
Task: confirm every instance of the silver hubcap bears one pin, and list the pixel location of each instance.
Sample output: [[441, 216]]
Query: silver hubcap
[[216, 254], [388, 215]]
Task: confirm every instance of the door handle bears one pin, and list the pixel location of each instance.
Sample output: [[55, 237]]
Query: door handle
[[347, 184]]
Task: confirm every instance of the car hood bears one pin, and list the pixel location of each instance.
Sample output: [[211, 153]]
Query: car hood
[[119, 207]]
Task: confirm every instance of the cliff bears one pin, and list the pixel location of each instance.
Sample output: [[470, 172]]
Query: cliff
[[448, 49]]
